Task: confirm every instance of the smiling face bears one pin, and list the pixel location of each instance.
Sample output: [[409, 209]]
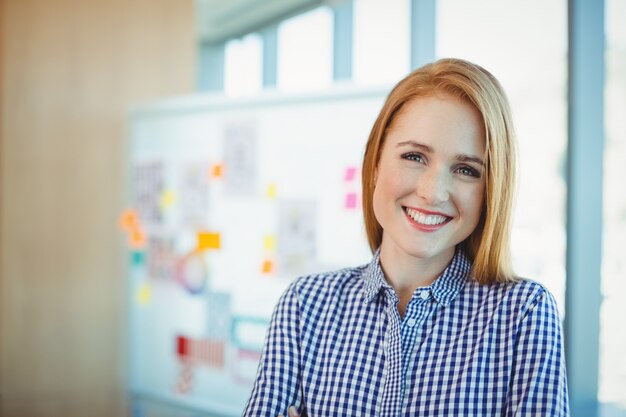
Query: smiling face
[[429, 186]]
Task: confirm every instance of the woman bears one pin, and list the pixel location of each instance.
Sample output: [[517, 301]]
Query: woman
[[436, 324]]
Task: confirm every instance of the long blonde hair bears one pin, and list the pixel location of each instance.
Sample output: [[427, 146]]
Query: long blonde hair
[[488, 247]]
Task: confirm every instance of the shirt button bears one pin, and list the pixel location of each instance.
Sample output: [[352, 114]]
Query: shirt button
[[410, 322], [424, 295]]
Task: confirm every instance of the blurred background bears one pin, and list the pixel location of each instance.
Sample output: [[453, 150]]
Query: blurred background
[[155, 153]]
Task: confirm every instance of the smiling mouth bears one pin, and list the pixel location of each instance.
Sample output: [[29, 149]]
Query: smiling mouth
[[427, 220]]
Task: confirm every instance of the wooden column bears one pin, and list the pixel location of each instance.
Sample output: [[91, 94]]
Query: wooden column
[[70, 70]]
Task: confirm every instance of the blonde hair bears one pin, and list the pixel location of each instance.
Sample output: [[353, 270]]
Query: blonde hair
[[488, 247]]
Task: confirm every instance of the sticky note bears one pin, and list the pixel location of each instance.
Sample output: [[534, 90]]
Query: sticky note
[[137, 238], [351, 201], [217, 170], [137, 257], [269, 242], [145, 294], [350, 174], [268, 267], [129, 220], [208, 240], [168, 198], [271, 191]]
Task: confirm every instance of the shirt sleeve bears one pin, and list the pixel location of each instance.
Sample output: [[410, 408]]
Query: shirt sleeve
[[539, 383], [277, 384]]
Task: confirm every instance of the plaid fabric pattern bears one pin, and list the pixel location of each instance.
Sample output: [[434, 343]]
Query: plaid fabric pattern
[[337, 346]]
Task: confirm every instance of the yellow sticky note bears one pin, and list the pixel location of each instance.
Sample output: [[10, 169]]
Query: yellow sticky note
[[269, 242], [208, 240], [268, 267], [168, 198], [271, 191], [129, 220], [145, 294]]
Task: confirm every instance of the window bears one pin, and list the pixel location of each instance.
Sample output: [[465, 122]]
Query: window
[[612, 337], [524, 45], [381, 41], [305, 51], [242, 72]]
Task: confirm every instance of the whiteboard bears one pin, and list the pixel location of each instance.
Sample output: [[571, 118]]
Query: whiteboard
[[232, 200]]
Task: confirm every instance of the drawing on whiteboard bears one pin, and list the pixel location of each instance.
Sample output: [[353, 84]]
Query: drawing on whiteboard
[[218, 315], [184, 383], [194, 195], [248, 332], [245, 366], [149, 184], [191, 272], [202, 352], [240, 158], [296, 236], [161, 258]]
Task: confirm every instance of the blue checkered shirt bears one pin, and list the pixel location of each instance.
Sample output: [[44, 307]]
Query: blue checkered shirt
[[337, 346]]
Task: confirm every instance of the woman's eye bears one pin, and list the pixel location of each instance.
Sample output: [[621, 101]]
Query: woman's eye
[[468, 171], [412, 156]]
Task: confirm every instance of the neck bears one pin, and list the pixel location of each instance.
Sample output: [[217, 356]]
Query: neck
[[405, 272]]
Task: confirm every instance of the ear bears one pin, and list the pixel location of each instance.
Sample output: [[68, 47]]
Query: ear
[[375, 176]]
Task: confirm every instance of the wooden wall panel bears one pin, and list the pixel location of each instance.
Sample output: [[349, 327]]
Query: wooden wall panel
[[70, 70]]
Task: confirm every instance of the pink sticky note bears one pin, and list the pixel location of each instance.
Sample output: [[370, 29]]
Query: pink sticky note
[[351, 201], [350, 174]]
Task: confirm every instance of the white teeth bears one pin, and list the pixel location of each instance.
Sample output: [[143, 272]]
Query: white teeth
[[425, 219]]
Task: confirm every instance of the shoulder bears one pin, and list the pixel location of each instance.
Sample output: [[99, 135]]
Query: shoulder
[[530, 295], [331, 282], [514, 299], [531, 302], [314, 291]]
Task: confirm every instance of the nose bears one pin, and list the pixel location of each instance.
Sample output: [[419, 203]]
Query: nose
[[433, 186]]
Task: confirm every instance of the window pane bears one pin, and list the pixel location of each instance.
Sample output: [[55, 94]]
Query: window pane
[[242, 72], [381, 41], [524, 45], [612, 335], [305, 50]]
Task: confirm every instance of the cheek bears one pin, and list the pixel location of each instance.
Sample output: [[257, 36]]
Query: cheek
[[473, 200], [386, 192]]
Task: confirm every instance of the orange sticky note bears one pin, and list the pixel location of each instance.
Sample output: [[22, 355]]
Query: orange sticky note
[[208, 240], [137, 238], [217, 170], [351, 201], [268, 267], [129, 220]]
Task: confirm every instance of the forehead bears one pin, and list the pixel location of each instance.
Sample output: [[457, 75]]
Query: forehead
[[441, 121]]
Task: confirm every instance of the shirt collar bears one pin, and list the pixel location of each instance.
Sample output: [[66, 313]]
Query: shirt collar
[[444, 289]]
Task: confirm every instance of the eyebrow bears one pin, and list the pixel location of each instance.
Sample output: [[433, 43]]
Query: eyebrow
[[426, 148]]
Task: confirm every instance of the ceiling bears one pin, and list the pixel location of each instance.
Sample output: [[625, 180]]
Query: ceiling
[[218, 20]]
